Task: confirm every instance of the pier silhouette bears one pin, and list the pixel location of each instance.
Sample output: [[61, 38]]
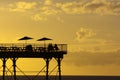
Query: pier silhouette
[[14, 51]]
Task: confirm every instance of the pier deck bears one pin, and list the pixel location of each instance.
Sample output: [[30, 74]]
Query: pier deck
[[35, 51]]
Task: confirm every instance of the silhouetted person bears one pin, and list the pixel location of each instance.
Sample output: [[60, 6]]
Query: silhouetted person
[[29, 48], [50, 48], [56, 47]]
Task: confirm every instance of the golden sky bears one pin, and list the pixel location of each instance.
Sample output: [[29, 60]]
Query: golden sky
[[89, 27]]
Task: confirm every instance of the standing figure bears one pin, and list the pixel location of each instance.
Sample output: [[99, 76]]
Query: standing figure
[[56, 47], [50, 48], [29, 48]]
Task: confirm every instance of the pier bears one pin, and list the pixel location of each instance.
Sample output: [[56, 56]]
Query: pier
[[15, 51]]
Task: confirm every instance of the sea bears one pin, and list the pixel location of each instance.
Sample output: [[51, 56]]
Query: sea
[[68, 77]]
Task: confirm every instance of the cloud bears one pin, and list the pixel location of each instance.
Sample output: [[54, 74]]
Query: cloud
[[84, 33], [47, 10], [85, 58], [39, 10], [101, 7], [38, 17], [48, 2], [56, 8], [22, 6]]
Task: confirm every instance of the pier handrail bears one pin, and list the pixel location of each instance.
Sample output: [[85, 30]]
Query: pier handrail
[[20, 47]]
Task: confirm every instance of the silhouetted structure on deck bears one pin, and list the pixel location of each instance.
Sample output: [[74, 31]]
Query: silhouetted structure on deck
[[30, 51]]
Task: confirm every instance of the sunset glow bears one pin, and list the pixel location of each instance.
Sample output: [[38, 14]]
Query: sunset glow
[[89, 27]]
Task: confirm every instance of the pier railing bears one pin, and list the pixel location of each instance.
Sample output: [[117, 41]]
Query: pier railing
[[19, 47]]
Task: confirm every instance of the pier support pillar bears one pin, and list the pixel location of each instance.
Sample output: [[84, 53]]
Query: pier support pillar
[[14, 67], [47, 67], [4, 67], [59, 66]]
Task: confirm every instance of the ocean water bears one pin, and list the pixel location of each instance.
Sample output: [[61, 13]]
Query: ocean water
[[64, 78]]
